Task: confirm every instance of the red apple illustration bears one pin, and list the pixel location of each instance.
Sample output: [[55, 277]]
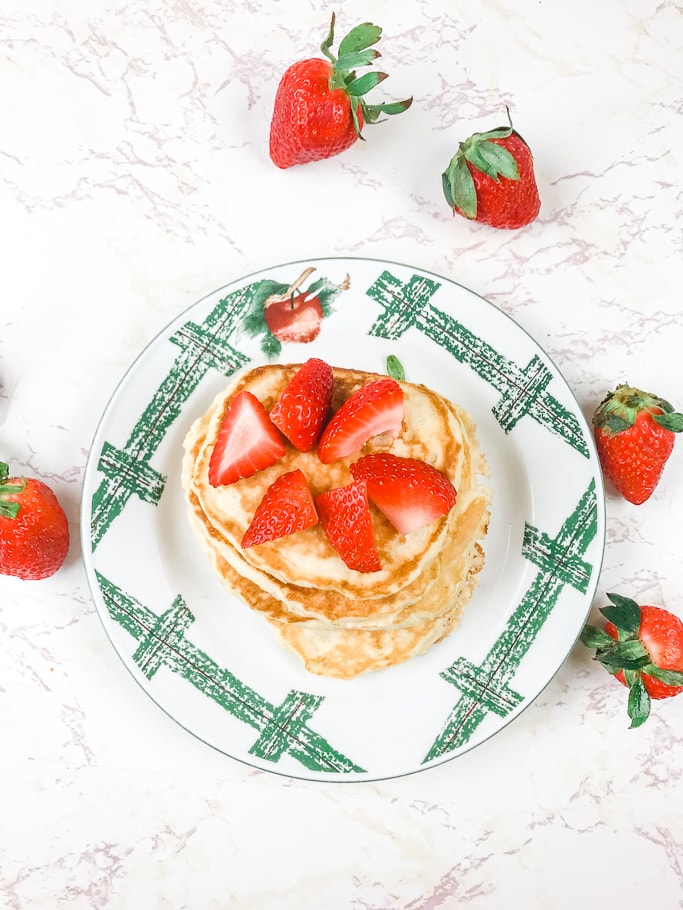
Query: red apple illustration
[[295, 315]]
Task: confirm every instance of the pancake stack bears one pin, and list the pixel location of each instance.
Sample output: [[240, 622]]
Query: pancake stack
[[342, 622]]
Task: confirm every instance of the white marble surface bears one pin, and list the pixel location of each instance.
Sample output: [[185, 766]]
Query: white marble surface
[[134, 179]]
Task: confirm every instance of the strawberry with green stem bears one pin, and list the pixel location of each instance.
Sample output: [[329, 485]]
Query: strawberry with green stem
[[34, 531], [642, 646], [320, 105], [634, 436], [491, 179]]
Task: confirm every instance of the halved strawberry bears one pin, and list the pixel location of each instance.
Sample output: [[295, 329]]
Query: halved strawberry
[[411, 493], [247, 441], [286, 507], [303, 407], [345, 518], [373, 409]]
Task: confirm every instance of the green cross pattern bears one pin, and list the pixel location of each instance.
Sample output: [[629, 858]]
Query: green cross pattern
[[162, 643], [523, 389], [485, 688], [128, 472]]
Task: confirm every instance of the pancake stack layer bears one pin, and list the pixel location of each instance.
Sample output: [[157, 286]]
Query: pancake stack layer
[[341, 622]]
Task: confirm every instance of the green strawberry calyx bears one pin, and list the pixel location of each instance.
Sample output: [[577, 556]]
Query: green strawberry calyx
[[355, 50], [486, 156], [619, 410], [8, 508], [627, 653]]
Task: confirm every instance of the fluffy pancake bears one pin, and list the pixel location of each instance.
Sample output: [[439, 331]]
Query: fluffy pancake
[[339, 621], [345, 653]]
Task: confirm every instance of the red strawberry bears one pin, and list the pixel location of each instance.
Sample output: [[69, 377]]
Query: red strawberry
[[345, 518], [303, 407], [373, 409], [286, 507], [319, 108], [248, 441], [634, 435], [34, 531], [491, 179], [643, 648], [411, 493]]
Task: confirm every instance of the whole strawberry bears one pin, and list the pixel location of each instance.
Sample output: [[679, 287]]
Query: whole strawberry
[[491, 179], [642, 646], [634, 436], [34, 532], [319, 106]]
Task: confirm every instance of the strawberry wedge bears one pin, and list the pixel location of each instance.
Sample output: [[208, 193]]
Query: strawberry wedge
[[409, 492], [247, 442], [345, 517], [287, 507], [373, 409], [304, 405]]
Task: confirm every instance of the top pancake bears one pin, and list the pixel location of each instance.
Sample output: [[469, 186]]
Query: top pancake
[[433, 430]]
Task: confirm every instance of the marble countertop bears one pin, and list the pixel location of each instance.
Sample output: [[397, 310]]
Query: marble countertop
[[134, 180]]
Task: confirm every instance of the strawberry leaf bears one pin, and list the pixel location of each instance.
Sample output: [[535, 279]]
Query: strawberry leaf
[[492, 159], [624, 613], [502, 132], [623, 655], [361, 58], [638, 703], [395, 368], [612, 423], [363, 84], [359, 38], [356, 103], [670, 421], [459, 188], [9, 509], [668, 677], [592, 637], [371, 112]]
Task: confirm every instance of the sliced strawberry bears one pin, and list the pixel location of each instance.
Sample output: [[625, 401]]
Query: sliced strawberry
[[411, 493], [373, 409], [286, 507], [345, 518], [303, 407], [247, 442]]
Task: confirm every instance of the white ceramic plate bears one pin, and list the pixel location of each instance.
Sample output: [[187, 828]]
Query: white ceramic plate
[[211, 662]]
